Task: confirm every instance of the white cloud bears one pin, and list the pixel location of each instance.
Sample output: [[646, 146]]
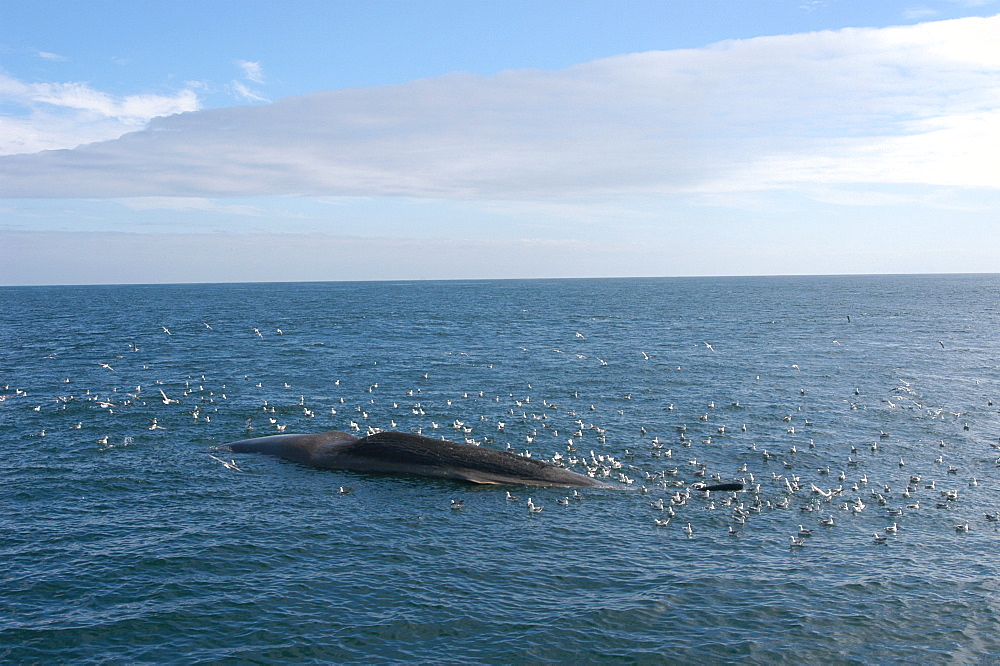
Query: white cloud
[[95, 257], [906, 105], [243, 92], [81, 97], [66, 115], [252, 71]]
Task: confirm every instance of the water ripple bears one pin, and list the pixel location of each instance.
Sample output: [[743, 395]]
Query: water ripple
[[141, 548]]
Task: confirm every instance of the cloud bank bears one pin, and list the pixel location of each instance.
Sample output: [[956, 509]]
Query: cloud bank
[[58, 257], [906, 105]]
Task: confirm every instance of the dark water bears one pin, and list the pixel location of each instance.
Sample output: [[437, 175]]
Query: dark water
[[143, 548]]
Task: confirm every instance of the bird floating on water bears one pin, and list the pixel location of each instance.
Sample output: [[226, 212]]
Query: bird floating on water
[[228, 465]]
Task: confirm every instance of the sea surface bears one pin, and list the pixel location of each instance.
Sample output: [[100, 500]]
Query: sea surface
[[129, 535]]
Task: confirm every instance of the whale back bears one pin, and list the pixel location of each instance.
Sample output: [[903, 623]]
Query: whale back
[[296, 448], [397, 451]]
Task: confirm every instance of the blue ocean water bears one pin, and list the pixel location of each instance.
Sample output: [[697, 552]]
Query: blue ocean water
[[122, 539]]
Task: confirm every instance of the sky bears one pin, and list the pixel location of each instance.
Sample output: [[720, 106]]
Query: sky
[[292, 140]]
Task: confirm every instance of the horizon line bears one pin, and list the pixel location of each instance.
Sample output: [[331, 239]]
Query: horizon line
[[506, 279]]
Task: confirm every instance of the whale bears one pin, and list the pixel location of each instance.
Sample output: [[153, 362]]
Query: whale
[[413, 455]]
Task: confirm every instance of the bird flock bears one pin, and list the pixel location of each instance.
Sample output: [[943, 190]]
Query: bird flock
[[811, 468]]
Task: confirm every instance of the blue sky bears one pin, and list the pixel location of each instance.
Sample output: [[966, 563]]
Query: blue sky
[[259, 141]]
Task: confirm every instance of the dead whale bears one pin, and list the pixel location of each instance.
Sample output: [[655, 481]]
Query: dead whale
[[405, 453]]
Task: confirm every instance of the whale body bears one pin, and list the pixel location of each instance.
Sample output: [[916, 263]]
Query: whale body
[[405, 453]]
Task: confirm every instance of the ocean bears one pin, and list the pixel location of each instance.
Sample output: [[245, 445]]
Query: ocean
[[128, 534]]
